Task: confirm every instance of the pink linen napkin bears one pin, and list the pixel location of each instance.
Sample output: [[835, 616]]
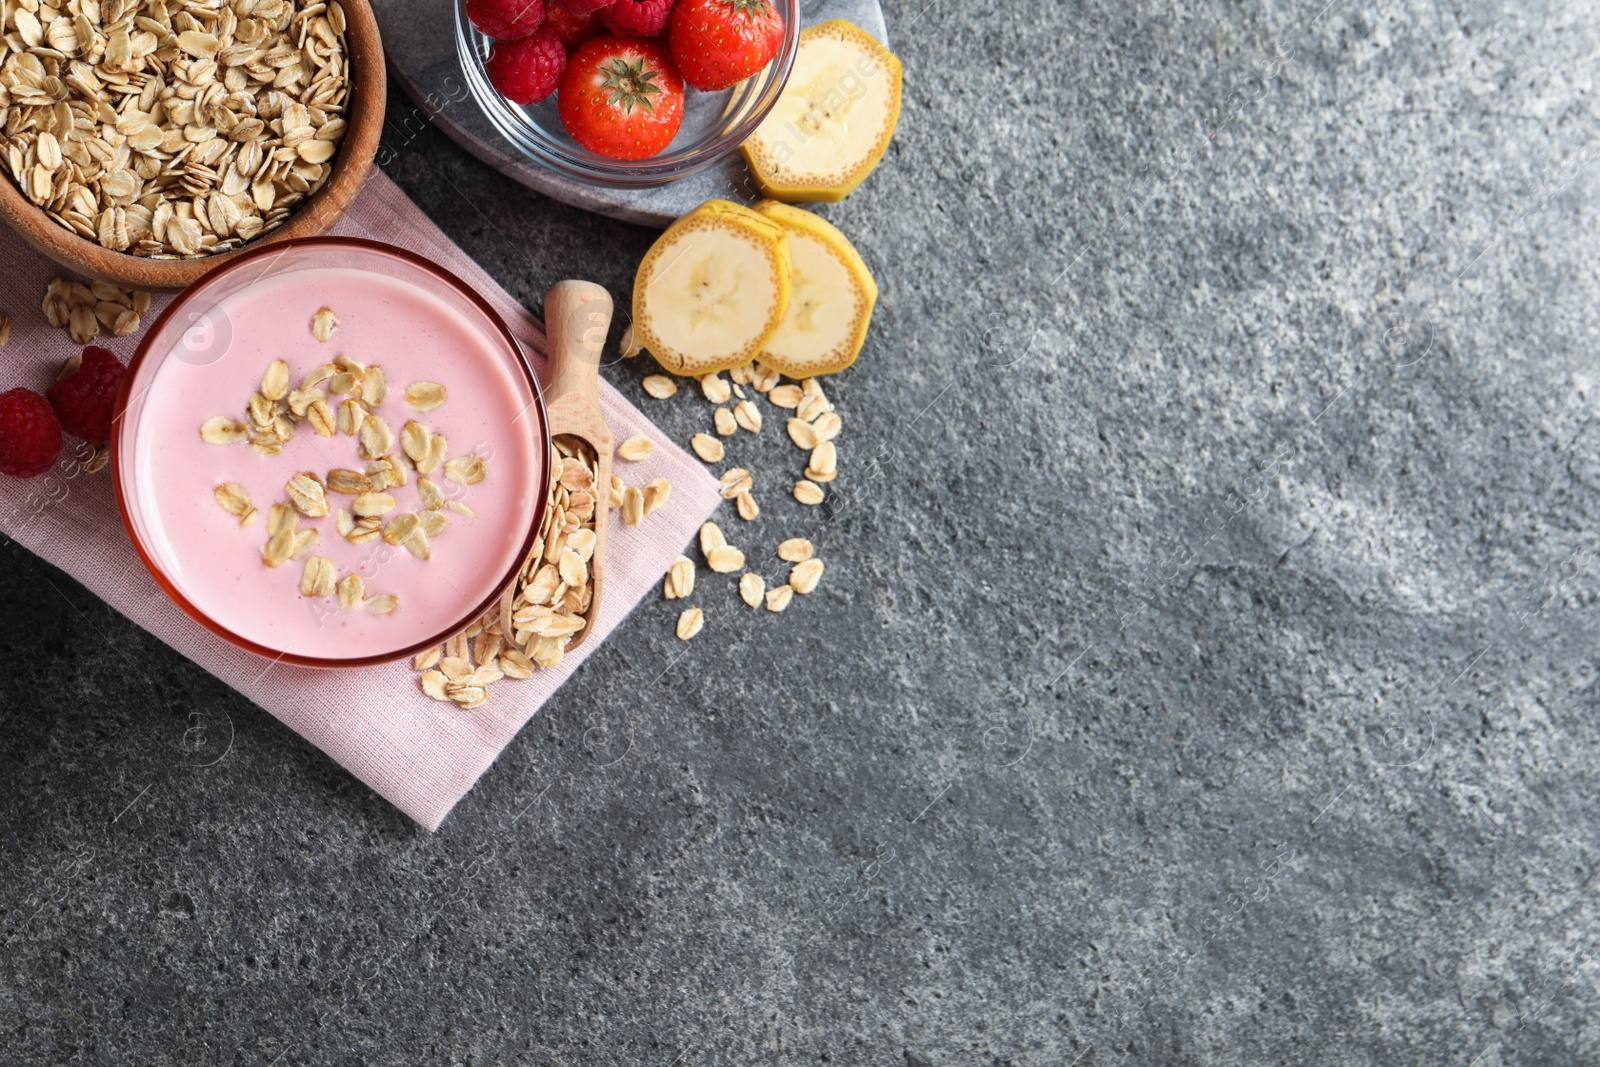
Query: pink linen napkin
[[422, 755]]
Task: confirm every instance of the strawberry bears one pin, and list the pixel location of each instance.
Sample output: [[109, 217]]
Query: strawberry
[[621, 98], [718, 43]]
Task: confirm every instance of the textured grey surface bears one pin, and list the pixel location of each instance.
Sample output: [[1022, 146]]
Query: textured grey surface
[[1215, 684], [426, 63]]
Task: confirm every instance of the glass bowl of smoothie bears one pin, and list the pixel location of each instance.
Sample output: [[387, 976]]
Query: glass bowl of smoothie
[[332, 453]]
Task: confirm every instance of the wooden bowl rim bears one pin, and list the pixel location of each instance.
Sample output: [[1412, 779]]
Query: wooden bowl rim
[[351, 167]]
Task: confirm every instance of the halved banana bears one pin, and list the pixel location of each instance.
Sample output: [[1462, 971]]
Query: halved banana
[[831, 297], [834, 119], [712, 289]]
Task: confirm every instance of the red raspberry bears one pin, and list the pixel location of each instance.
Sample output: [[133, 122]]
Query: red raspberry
[[527, 71], [573, 28], [637, 18], [85, 398], [506, 20], [30, 435]]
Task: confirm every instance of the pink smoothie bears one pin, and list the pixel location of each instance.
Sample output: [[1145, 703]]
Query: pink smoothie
[[414, 336]]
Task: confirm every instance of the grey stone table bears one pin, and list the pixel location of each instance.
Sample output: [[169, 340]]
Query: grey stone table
[[1205, 670]]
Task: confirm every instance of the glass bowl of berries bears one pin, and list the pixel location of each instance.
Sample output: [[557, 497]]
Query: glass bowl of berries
[[627, 93]]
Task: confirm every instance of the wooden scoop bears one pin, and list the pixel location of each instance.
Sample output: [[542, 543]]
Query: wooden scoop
[[576, 316]]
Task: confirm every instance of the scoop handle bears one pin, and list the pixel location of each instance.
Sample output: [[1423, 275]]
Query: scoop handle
[[576, 317]]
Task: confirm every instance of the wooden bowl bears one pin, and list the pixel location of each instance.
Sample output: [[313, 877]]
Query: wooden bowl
[[351, 166]]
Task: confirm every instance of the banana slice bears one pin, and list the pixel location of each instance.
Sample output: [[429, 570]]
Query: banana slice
[[831, 300], [712, 289], [833, 120]]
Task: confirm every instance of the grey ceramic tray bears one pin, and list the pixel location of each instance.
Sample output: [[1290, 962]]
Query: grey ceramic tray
[[419, 39]]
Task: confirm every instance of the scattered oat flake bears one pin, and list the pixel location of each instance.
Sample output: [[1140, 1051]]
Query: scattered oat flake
[[785, 396], [749, 510], [402, 528], [281, 516], [680, 579], [382, 604], [751, 588], [374, 386], [808, 492], [317, 577], [795, 550], [802, 433], [306, 493], [734, 481], [348, 482], [233, 499], [762, 377], [725, 559], [278, 549], [726, 424], [425, 396], [715, 387], [805, 575], [321, 418], [427, 659], [324, 324], [414, 438], [275, 382], [707, 447], [418, 544], [438, 448], [352, 589], [691, 622], [824, 464], [748, 416], [827, 426], [465, 470], [632, 506], [778, 598], [711, 537], [221, 430], [635, 449], [93, 458], [376, 437], [659, 386], [430, 494], [303, 540], [655, 494], [372, 504], [516, 664], [433, 684]]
